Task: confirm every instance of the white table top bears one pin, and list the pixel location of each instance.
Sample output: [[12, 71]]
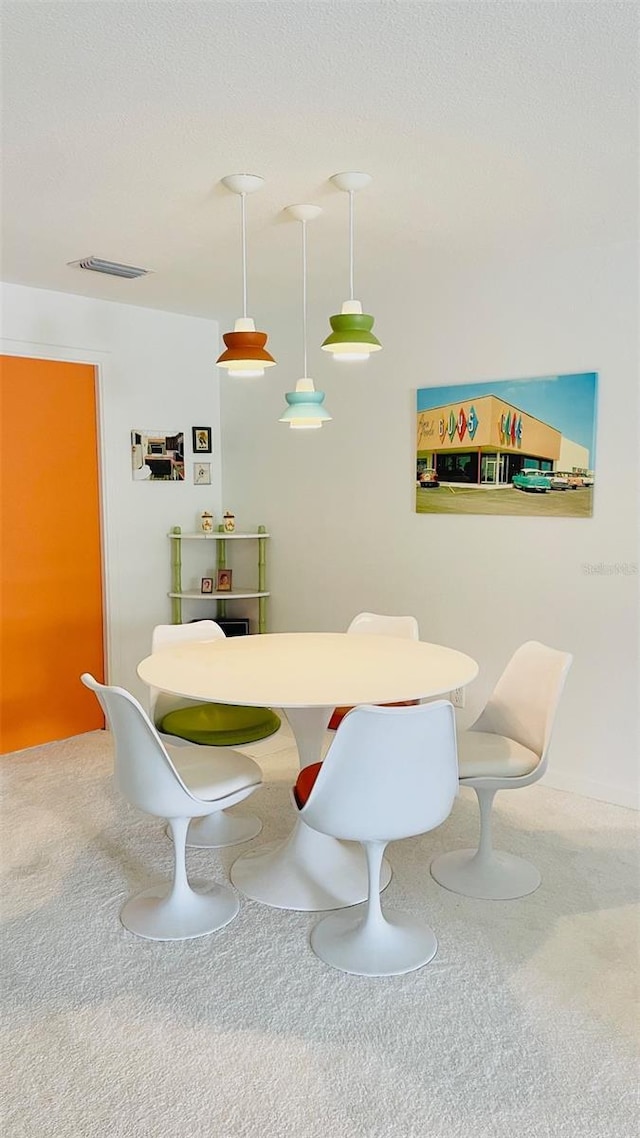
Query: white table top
[[307, 669]]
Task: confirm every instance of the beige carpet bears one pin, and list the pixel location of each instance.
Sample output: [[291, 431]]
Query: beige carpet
[[522, 1025]]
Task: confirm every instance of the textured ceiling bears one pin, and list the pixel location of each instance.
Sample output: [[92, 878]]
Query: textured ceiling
[[489, 129]]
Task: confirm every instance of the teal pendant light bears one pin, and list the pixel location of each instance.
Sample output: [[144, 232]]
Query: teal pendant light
[[351, 336], [305, 409]]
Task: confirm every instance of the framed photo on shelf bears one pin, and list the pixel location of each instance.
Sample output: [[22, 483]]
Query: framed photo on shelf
[[202, 473], [206, 585], [223, 581], [201, 437]]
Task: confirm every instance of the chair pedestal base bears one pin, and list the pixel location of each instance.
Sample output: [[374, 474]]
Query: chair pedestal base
[[309, 872], [224, 828], [400, 943], [499, 877], [154, 915]]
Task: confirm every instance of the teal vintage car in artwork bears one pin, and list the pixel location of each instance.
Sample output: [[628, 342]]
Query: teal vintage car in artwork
[[532, 480]]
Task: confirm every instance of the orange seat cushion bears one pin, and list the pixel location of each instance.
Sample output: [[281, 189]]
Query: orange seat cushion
[[305, 782], [340, 712], [337, 717]]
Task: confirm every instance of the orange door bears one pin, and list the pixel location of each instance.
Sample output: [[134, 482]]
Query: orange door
[[50, 557]]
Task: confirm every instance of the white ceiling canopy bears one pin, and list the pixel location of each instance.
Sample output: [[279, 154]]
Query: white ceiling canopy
[[488, 128]]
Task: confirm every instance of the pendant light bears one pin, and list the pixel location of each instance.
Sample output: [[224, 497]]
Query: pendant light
[[245, 355], [351, 337], [305, 410]]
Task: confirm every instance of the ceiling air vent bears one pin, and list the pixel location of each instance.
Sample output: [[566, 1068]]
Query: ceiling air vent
[[111, 268]]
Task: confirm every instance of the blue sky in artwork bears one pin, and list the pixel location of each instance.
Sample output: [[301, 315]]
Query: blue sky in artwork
[[566, 402]]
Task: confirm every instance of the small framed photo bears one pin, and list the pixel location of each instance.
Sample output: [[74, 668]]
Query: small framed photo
[[223, 581], [201, 437], [202, 473], [206, 585]]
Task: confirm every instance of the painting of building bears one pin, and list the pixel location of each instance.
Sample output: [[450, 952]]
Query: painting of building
[[507, 447]]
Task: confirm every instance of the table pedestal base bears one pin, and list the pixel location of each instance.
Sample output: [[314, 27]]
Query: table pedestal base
[[309, 872]]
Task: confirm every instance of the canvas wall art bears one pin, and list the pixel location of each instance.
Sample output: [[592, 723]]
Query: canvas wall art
[[513, 446]]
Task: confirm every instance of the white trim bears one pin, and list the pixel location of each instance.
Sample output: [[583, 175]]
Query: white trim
[[615, 793], [99, 360]]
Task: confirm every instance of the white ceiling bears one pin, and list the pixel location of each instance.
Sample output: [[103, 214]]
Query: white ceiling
[[488, 129]]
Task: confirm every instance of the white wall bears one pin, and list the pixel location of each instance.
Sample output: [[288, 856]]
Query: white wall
[[156, 370], [340, 502]]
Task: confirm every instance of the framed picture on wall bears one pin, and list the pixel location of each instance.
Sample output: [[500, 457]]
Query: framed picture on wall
[[519, 447], [157, 456], [202, 473], [201, 438]]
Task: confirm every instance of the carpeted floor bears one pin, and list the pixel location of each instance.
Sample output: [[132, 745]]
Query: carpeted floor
[[523, 1025]]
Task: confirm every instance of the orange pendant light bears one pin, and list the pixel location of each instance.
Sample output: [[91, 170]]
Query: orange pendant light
[[245, 354]]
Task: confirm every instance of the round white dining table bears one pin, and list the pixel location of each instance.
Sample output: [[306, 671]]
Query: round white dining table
[[307, 675]]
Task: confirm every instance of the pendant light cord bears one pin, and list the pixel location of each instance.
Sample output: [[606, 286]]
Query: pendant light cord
[[244, 255], [304, 297], [350, 244]]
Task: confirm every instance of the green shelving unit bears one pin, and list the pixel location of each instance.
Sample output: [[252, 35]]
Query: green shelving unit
[[178, 594]]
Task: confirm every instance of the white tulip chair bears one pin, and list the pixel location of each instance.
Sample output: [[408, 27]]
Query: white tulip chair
[[506, 748], [224, 828], [176, 783], [390, 773], [375, 624]]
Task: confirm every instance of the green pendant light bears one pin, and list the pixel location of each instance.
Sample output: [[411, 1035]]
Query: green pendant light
[[304, 410], [351, 337]]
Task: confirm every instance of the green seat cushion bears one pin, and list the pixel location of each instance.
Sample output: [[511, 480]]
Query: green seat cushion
[[220, 724]]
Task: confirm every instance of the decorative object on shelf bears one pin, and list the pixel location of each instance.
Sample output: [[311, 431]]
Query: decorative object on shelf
[[206, 585], [305, 410], [201, 440], [202, 473], [206, 521], [157, 456], [228, 522], [245, 354], [255, 591], [223, 580], [351, 337]]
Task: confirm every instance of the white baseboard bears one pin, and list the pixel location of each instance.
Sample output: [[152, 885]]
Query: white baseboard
[[616, 794]]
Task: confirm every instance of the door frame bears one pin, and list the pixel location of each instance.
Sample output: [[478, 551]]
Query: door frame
[[100, 361]]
